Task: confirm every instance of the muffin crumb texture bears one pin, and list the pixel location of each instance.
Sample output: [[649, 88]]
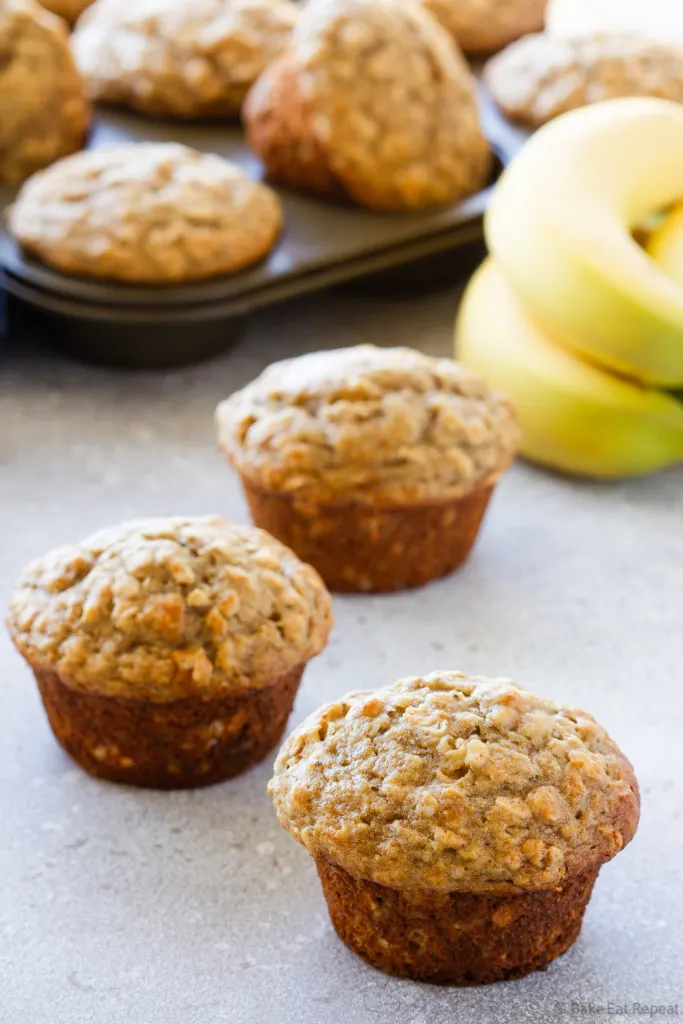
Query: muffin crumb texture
[[455, 784], [182, 59], [43, 110], [368, 424], [170, 608], [146, 213]]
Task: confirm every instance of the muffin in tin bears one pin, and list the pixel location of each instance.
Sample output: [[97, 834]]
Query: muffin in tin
[[148, 213], [180, 58], [168, 652], [458, 824], [375, 465], [44, 113], [541, 77], [371, 103]]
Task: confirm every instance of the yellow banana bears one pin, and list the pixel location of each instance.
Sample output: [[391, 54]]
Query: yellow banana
[[665, 244], [575, 416], [560, 223]]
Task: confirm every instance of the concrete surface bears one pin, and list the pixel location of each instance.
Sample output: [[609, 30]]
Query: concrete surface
[[127, 907]]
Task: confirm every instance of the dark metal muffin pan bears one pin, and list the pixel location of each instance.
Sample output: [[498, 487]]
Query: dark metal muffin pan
[[322, 244]]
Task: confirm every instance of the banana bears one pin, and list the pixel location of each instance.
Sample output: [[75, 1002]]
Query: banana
[[560, 223], [575, 416], [665, 244]]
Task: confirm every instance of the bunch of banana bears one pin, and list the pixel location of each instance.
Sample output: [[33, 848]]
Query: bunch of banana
[[579, 324]]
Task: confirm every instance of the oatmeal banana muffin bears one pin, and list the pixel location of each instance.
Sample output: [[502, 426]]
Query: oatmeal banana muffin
[[483, 26], [43, 110], [70, 10], [540, 77], [371, 102], [168, 652], [375, 465], [458, 824], [153, 213], [177, 58]]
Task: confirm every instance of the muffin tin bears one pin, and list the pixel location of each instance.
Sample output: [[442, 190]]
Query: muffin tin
[[323, 244]]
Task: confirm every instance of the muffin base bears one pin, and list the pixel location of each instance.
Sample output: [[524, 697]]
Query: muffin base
[[181, 744], [358, 547], [454, 938]]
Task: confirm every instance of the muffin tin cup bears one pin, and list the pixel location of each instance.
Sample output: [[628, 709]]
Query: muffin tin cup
[[363, 548], [323, 244], [180, 744], [123, 336], [454, 938]]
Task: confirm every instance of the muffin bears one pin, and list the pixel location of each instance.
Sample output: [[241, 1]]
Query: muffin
[[70, 10], [540, 77], [168, 652], [174, 58], [375, 465], [483, 26], [151, 213], [371, 103], [43, 110], [457, 824]]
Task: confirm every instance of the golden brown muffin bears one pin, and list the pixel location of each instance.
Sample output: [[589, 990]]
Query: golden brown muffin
[[484, 26], [168, 652], [375, 465], [458, 824], [43, 111], [540, 77], [372, 102], [173, 58], [70, 10], [152, 213]]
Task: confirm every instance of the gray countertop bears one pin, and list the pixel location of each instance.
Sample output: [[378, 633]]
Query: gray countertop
[[120, 906]]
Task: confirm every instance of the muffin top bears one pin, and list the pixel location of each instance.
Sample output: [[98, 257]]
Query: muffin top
[[154, 213], [369, 424], [393, 102], [540, 77], [43, 110], [168, 608], [183, 58], [455, 784]]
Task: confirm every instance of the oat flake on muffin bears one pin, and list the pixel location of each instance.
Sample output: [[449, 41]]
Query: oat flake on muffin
[[155, 213]]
